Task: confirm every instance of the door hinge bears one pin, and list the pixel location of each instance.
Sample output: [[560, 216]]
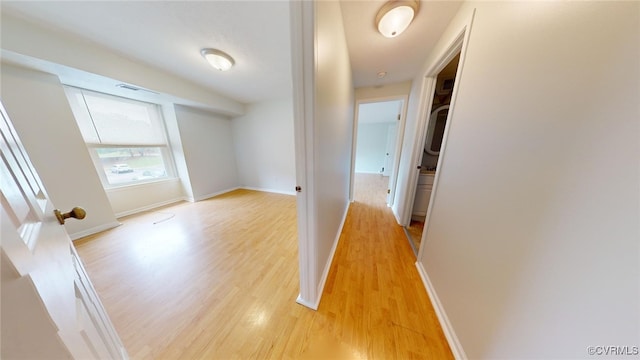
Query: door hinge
[[388, 191], [398, 117], [298, 189]]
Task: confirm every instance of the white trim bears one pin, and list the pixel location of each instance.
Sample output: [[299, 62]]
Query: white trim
[[305, 303], [427, 92], [396, 215], [418, 145], [94, 230], [149, 207], [327, 266], [133, 185], [268, 190], [449, 333], [303, 74], [354, 151], [393, 177], [458, 45], [111, 225], [214, 194]]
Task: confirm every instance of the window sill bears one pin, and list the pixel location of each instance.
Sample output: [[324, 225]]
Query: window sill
[[130, 186]]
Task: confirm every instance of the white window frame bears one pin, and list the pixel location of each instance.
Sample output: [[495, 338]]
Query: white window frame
[[92, 147]]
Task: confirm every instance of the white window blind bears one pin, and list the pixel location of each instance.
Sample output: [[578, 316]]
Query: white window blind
[[106, 119], [126, 138]]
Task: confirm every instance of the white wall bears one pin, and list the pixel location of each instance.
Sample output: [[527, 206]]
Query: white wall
[[38, 107], [207, 142], [133, 199], [383, 92], [323, 125], [371, 147], [264, 147], [333, 129], [535, 254]]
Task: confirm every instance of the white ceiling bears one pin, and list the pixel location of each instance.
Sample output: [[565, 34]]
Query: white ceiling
[[168, 35], [401, 57]]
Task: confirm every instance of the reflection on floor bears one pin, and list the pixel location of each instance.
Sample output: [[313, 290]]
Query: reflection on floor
[[371, 189], [218, 279], [414, 230]]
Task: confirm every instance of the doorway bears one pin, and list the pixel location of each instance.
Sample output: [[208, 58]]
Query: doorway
[[376, 146], [435, 128]]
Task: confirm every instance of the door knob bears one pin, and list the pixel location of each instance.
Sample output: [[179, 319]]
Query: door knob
[[76, 212]]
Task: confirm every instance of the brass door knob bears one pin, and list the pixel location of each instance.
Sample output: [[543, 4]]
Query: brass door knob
[[76, 212]]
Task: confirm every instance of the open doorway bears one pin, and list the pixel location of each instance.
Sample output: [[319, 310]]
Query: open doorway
[[376, 146], [435, 129]]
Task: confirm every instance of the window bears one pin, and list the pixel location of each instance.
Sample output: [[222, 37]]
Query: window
[[126, 138]]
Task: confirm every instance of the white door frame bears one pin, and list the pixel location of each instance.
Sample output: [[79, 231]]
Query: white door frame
[[393, 178], [302, 15], [458, 45], [389, 147], [426, 98]]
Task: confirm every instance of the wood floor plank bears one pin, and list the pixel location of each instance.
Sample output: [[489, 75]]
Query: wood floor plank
[[218, 279]]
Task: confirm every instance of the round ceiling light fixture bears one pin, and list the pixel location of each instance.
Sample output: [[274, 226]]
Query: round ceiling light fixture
[[218, 59], [395, 16]]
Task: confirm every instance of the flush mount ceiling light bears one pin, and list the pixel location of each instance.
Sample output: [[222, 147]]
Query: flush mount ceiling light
[[395, 16], [218, 59]]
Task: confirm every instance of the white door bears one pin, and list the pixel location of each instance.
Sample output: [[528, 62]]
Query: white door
[[390, 150], [49, 310]]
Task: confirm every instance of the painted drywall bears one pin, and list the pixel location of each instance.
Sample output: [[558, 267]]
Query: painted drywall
[[264, 147], [207, 142], [38, 107], [175, 141], [332, 131], [25, 38], [371, 147], [133, 199], [383, 91], [535, 253]]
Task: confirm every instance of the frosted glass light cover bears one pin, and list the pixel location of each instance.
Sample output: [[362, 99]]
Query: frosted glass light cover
[[394, 22], [218, 59]]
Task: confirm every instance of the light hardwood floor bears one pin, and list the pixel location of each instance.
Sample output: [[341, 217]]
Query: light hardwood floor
[[414, 230], [218, 279]]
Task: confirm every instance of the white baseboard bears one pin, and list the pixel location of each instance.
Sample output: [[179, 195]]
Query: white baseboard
[[395, 215], [449, 333], [268, 190], [94, 230], [327, 265], [305, 303], [209, 196], [149, 207]]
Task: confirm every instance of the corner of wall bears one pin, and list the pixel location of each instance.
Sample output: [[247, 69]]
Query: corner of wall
[[447, 328], [327, 265]]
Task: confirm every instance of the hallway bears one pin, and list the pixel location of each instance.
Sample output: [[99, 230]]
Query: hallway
[[374, 290], [218, 279]]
